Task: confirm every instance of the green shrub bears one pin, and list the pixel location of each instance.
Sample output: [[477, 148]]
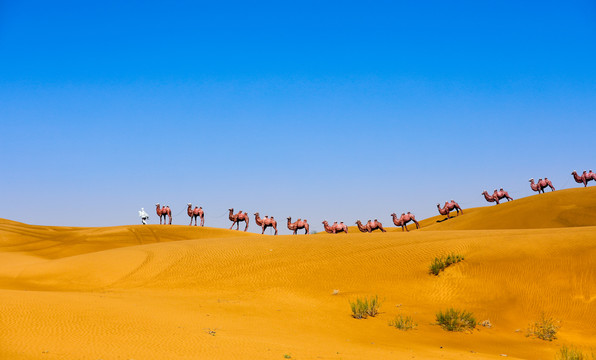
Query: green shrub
[[437, 266], [402, 323], [456, 320], [570, 353], [544, 329], [373, 306], [362, 308], [440, 263]]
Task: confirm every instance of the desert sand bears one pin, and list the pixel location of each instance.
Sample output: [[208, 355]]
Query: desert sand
[[180, 292]]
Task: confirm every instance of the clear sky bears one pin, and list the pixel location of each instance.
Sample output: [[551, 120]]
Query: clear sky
[[336, 110]]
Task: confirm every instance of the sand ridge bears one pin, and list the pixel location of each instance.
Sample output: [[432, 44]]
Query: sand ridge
[[156, 292]]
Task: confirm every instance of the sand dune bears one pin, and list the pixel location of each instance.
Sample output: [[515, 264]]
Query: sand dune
[[179, 292]]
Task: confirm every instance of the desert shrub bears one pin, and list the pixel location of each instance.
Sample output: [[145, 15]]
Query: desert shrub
[[359, 308], [453, 259], [440, 263], [362, 308], [402, 323], [545, 329], [373, 306], [456, 320], [437, 266], [572, 353]]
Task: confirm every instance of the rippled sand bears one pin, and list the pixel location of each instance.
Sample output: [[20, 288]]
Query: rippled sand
[[180, 292]]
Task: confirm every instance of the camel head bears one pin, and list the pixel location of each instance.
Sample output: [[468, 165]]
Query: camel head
[[289, 218], [157, 204], [531, 180], [232, 209], [358, 222], [574, 172], [393, 215], [257, 214], [189, 204]]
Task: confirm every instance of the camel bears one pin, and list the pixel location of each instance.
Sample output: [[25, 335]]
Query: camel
[[299, 224], [580, 179], [335, 228], [543, 183], [370, 226], [448, 207], [163, 211], [196, 213], [238, 218], [496, 196], [266, 222], [404, 219]]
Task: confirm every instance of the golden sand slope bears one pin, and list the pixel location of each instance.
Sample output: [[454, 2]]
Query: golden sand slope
[[179, 292]]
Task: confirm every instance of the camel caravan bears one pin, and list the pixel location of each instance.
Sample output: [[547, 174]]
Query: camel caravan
[[165, 213]]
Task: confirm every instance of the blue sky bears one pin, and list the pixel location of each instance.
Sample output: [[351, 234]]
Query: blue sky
[[319, 110]]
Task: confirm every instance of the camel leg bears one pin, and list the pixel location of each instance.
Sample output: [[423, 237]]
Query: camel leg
[[381, 228], [246, 228], [275, 227], [234, 223], [203, 220], [417, 225], [263, 227]]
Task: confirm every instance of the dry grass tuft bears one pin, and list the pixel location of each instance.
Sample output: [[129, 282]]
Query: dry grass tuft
[[545, 329]]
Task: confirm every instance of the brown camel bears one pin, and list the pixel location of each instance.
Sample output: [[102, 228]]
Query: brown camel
[[163, 211], [196, 213], [335, 228], [580, 179], [448, 207], [404, 219], [266, 222], [370, 226], [299, 224], [543, 183], [238, 218]]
